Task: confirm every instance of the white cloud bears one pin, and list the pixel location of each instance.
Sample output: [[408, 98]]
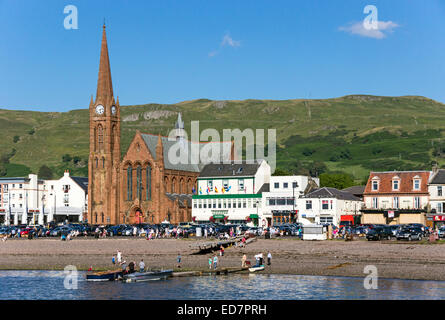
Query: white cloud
[[383, 28], [226, 41]]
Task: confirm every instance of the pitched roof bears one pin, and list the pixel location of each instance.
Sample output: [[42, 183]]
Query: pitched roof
[[438, 177], [327, 192], [185, 200], [151, 141], [232, 169], [81, 182], [355, 190], [104, 84], [264, 188], [406, 179]]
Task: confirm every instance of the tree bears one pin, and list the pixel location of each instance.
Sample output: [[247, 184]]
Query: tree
[[16, 139], [66, 158], [317, 168], [45, 172], [281, 172], [76, 159], [336, 180]]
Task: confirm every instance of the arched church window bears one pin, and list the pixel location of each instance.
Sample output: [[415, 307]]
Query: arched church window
[[148, 183], [102, 217], [100, 137], [103, 162], [97, 162], [129, 183], [139, 182]]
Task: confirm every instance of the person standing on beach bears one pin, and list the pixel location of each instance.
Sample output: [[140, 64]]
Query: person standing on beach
[[215, 262], [269, 258], [210, 263], [178, 259], [113, 260], [119, 256], [141, 266], [243, 261]]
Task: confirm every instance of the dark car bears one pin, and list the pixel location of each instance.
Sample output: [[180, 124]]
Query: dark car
[[379, 233], [441, 232], [409, 234]]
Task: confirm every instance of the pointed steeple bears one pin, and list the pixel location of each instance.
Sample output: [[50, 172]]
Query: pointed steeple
[[104, 84]]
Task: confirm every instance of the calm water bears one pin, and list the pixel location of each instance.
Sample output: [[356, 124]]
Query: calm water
[[50, 285]]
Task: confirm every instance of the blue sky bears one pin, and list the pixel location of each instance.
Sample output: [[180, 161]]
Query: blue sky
[[168, 51]]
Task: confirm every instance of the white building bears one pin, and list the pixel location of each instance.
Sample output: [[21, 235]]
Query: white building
[[279, 205], [33, 201], [67, 199], [436, 190], [21, 200], [329, 205], [231, 192]]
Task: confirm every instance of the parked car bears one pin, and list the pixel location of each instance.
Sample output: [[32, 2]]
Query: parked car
[[441, 232], [410, 234], [379, 233]]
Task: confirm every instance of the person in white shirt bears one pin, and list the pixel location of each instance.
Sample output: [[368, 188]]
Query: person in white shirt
[[269, 258], [119, 256], [141, 266]]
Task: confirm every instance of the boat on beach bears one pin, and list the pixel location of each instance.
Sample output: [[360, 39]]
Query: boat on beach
[[256, 268], [147, 276], [109, 275]]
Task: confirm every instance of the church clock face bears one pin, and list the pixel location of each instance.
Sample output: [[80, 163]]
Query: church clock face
[[100, 109], [113, 109]]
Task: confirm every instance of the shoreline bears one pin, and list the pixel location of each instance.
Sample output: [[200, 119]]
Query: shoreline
[[393, 260]]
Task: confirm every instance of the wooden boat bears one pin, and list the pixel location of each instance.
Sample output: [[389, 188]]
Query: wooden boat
[[256, 268], [109, 275], [147, 275]]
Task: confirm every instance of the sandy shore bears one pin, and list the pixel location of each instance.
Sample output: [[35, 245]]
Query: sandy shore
[[403, 260]]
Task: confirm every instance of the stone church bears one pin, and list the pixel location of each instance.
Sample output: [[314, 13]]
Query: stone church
[[144, 185]]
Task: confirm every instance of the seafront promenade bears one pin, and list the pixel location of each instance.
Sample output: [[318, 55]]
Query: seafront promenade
[[402, 260]]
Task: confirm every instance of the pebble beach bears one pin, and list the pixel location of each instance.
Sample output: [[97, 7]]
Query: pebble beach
[[393, 259]]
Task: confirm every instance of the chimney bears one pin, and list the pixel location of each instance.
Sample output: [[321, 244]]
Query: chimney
[[435, 168]]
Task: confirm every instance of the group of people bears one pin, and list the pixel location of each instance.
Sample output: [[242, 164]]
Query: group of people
[[259, 260], [131, 267]]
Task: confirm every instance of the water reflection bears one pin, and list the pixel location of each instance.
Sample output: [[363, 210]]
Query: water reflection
[[49, 285]]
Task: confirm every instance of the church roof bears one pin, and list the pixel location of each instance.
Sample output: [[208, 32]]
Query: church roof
[[104, 84], [152, 141], [234, 168], [185, 200]]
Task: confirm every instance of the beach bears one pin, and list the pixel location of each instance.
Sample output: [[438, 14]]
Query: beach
[[393, 259]]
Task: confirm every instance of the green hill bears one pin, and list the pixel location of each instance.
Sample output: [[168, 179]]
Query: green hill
[[352, 134]]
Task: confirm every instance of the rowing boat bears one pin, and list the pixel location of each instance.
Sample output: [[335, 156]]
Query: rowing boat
[[105, 275], [147, 276]]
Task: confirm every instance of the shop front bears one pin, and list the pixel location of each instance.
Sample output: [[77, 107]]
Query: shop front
[[219, 216], [254, 219], [435, 220], [282, 216]]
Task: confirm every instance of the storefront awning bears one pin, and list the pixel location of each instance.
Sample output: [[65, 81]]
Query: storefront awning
[[218, 216], [253, 216]]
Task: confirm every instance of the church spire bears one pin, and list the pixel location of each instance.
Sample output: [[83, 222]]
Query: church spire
[[104, 85]]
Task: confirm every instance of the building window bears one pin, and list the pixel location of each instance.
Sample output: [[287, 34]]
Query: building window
[[375, 203], [210, 185], [439, 191], [276, 185], [229, 205], [148, 183], [21, 186], [325, 204], [439, 207], [416, 184], [244, 203], [395, 184], [416, 202], [241, 184], [100, 137], [281, 201], [239, 203], [290, 201], [225, 184], [308, 204], [375, 185], [129, 184], [285, 185], [139, 182], [66, 199], [272, 201], [396, 202], [294, 185], [195, 205]]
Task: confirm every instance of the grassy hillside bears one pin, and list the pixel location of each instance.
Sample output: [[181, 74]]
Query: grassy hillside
[[353, 134]]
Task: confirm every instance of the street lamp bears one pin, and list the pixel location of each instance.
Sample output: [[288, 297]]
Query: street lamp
[[294, 185]]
